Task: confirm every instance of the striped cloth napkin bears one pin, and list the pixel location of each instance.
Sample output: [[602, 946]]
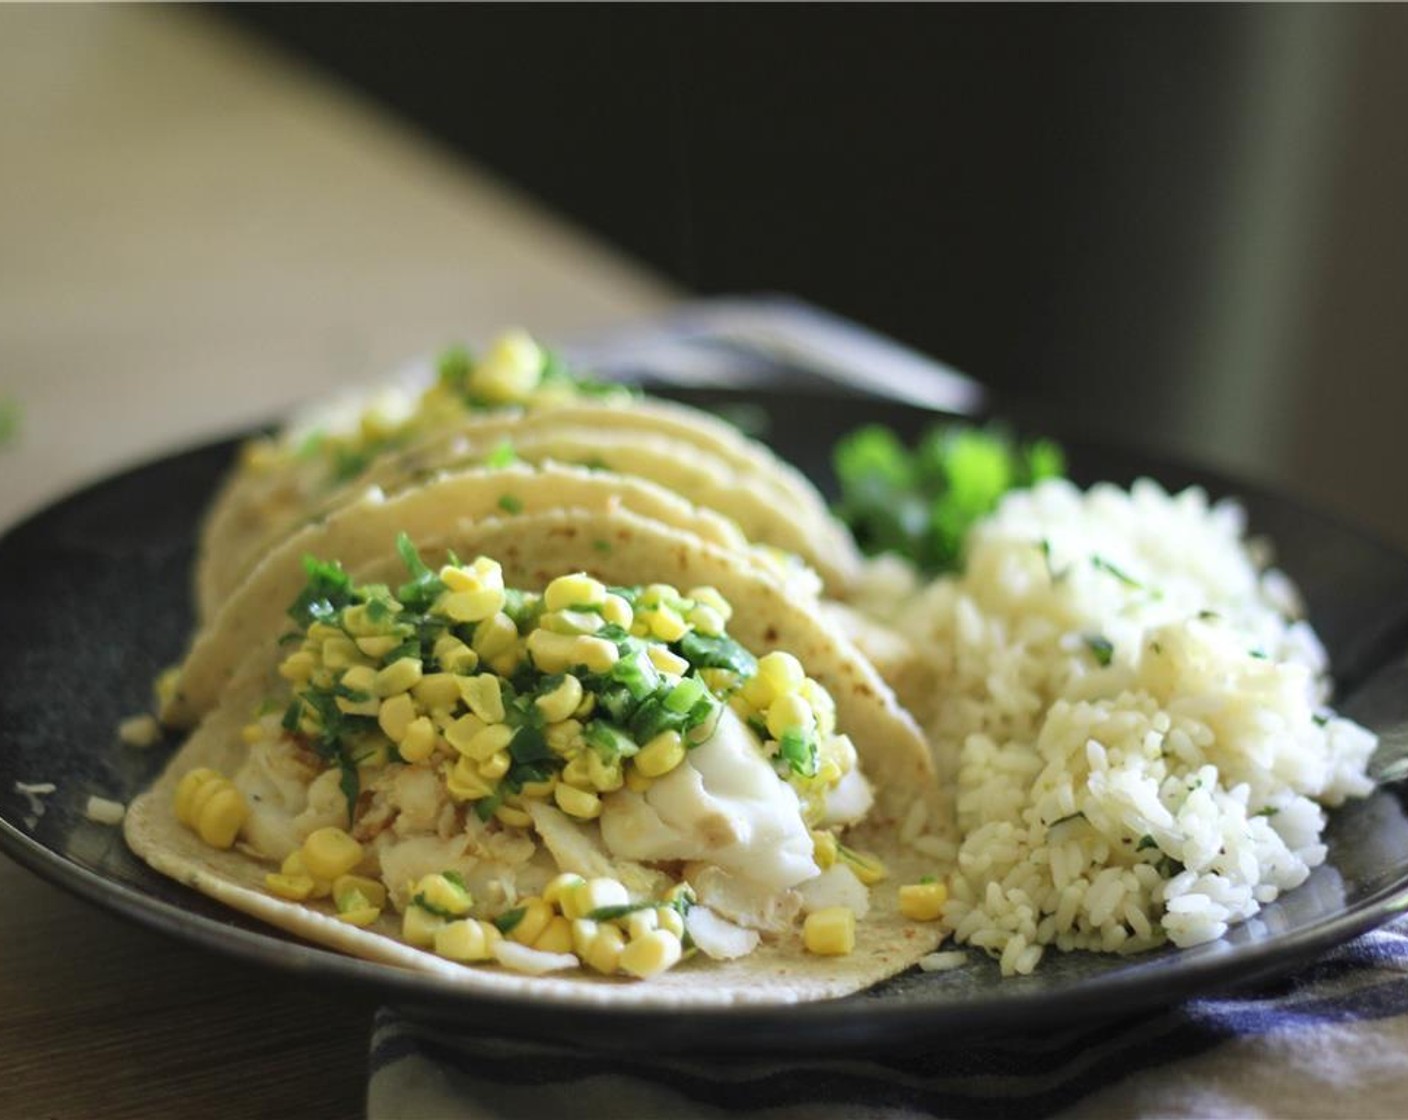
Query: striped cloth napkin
[[1331, 1040]]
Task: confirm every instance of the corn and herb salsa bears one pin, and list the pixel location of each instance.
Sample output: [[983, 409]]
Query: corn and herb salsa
[[512, 697]]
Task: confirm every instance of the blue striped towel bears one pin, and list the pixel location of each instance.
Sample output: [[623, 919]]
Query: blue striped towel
[[1330, 1040]]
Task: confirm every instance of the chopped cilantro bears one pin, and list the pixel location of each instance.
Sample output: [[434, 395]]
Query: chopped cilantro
[[328, 590], [722, 652], [601, 546], [502, 456], [611, 913], [799, 752], [510, 504], [1145, 842], [1101, 647], [508, 921], [1099, 563]]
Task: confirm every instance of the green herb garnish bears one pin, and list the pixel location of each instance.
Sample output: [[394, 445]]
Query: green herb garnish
[[1101, 647]]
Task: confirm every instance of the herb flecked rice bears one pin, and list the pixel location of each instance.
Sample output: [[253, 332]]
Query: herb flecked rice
[[1129, 711]]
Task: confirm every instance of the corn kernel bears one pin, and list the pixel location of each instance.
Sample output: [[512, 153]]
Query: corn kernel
[[419, 926], [401, 675], [561, 702], [661, 755], [341, 652], [464, 940], [576, 590], [650, 954], [584, 932], [465, 783], [437, 690], [295, 888], [667, 625], [637, 782], [560, 889], [830, 932], [472, 606], [359, 679], [823, 849], [222, 816], [537, 915], [186, 788], [378, 645], [494, 636], [509, 372], [578, 803], [540, 790], [641, 922], [710, 597], [440, 893], [495, 766], [329, 853], [564, 737], [418, 742], [453, 655], [668, 918], [923, 902], [706, 620], [298, 667], [489, 742], [605, 777], [513, 816], [556, 936], [396, 715], [595, 894], [790, 713], [361, 916], [372, 892], [783, 671], [666, 661], [551, 653], [596, 654], [577, 772], [463, 731], [604, 952], [616, 611], [484, 695]]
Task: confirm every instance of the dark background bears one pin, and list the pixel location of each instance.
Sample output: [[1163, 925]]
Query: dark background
[[1187, 220]]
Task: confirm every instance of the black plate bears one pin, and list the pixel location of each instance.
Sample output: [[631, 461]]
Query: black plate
[[94, 601]]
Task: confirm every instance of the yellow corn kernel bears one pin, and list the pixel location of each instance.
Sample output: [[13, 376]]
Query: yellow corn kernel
[[781, 670], [396, 715], [823, 848], [559, 704], [597, 655], [494, 636], [710, 597], [401, 675], [604, 952], [537, 915], [605, 777], [495, 766], [489, 742], [418, 742], [251, 733], [705, 620], [329, 853], [667, 625], [666, 661], [167, 687], [650, 954], [360, 679], [577, 772], [509, 371], [668, 918], [463, 940], [538, 791], [340, 652], [513, 816], [830, 932], [295, 888], [437, 690], [419, 927], [677, 891], [440, 893], [484, 695], [563, 737], [595, 894], [372, 892], [576, 590], [757, 694], [472, 606], [616, 611], [923, 902], [661, 755], [823, 706], [790, 713], [868, 869], [191, 782], [584, 932], [298, 667], [464, 782], [571, 622], [463, 731], [506, 664], [378, 645], [453, 655], [552, 653], [641, 922], [559, 891], [637, 782], [361, 916], [577, 803], [482, 572], [586, 707], [556, 936], [222, 816]]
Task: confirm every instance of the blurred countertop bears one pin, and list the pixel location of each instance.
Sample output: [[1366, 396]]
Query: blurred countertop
[[195, 234]]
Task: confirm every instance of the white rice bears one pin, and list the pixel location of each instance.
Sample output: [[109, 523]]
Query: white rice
[[1163, 796]]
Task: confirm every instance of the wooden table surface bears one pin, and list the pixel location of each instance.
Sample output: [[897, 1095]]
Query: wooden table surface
[[195, 233]]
